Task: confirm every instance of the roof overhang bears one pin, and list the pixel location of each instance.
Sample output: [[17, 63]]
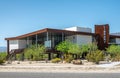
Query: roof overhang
[[49, 30], [114, 36]]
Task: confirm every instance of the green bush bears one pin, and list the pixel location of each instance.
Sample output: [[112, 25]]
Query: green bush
[[95, 56], [56, 60]]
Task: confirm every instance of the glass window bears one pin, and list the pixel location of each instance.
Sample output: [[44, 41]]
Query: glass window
[[13, 41], [48, 44]]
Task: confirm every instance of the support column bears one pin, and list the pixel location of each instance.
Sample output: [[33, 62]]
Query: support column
[[22, 56], [47, 35], [52, 55], [36, 42], [62, 36], [62, 54], [49, 56], [53, 42], [47, 39], [58, 55], [8, 47], [27, 41]]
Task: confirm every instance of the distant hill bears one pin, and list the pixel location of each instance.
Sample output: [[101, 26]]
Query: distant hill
[[3, 49]]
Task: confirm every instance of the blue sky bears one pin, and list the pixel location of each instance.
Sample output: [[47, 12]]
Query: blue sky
[[23, 16]]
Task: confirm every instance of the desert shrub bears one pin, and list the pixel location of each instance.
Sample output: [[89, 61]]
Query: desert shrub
[[45, 56], [2, 61], [114, 51], [56, 60], [69, 58], [2, 58], [95, 56], [116, 58], [18, 57], [77, 62], [34, 52], [3, 55], [63, 47], [28, 55], [36, 58]]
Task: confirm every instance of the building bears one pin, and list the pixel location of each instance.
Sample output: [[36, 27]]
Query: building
[[51, 37]]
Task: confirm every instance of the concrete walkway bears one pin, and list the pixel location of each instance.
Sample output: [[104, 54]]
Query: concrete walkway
[[111, 64]]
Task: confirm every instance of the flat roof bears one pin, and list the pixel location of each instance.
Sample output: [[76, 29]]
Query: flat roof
[[48, 30], [54, 31]]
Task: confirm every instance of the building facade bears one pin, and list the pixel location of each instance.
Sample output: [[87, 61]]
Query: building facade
[[51, 37]]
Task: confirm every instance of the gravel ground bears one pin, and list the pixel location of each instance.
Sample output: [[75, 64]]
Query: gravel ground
[[26, 66]]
